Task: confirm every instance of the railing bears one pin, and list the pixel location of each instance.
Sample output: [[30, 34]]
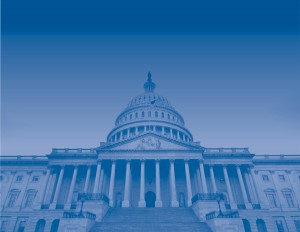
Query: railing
[[256, 206], [207, 197], [44, 206], [23, 158], [79, 215], [227, 150], [72, 151], [230, 214], [277, 157], [93, 197]]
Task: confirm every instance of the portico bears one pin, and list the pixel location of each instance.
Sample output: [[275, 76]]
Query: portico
[[126, 179]]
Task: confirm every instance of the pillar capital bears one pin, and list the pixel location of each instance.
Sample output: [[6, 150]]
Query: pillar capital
[[171, 160], [157, 160], [143, 160], [186, 160], [99, 161]]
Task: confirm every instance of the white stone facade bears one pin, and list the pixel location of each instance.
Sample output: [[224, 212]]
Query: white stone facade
[[150, 160]]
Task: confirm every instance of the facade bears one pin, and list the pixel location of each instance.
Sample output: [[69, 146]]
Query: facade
[[150, 159]]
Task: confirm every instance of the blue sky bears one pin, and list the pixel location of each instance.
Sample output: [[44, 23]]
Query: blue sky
[[231, 69]]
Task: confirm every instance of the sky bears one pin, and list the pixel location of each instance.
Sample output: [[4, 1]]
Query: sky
[[231, 68]]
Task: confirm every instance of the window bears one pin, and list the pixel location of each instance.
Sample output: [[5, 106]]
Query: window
[[297, 223], [169, 116], [280, 224], [288, 195], [156, 114], [4, 224], [136, 115], [30, 195], [149, 114], [271, 198], [143, 114], [1, 178], [162, 115], [265, 178], [281, 177], [19, 178], [35, 178], [12, 197], [130, 116]]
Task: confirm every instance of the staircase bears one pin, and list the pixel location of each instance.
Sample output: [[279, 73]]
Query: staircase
[[151, 219]]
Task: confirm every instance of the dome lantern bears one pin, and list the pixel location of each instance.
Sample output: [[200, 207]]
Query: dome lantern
[[149, 86]]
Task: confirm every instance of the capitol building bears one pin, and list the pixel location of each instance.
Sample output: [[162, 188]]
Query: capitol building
[[150, 175]]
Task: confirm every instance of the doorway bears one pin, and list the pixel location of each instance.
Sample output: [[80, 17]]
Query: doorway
[[150, 198]]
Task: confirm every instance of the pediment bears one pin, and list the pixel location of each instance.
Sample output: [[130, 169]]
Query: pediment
[[150, 141]]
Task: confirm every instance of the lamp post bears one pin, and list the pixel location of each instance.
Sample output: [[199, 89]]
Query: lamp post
[[218, 198], [82, 201]]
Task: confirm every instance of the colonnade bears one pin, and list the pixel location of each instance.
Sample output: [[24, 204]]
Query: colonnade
[[199, 177], [134, 131]]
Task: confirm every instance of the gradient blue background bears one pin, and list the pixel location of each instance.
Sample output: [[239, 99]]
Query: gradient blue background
[[231, 68]]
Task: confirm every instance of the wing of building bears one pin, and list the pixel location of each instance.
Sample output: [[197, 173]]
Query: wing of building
[[150, 175]]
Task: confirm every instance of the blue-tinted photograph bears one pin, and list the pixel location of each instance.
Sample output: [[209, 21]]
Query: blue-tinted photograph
[[171, 116]]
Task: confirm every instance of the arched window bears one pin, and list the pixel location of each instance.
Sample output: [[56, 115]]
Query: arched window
[[29, 198], [12, 197], [289, 198], [21, 227], [246, 224], [149, 114], [136, 115], [162, 114], [271, 196], [261, 225], [40, 225], [143, 114], [168, 116], [156, 114], [54, 225]]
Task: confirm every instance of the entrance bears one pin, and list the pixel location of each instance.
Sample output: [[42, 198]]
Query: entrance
[[150, 198]]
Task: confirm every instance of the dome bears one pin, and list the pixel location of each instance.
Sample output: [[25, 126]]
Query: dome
[[146, 112]]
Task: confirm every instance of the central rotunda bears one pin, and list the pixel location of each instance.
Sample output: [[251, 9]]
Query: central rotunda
[[152, 147]]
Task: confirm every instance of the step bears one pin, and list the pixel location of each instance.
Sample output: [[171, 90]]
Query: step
[[150, 219]]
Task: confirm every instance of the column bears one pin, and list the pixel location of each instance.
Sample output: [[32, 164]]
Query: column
[[163, 130], [242, 184], [203, 181], [188, 182], [112, 183], [100, 189], [121, 135], [174, 201], [158, 202], [87, 179], [57, 190], [253, 181], [96, 185], [212, 177], [199, 180], [73, 182], [142, 202], [232, 204], [47, 183], [125, 202], [136, 131], [171, 132]]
